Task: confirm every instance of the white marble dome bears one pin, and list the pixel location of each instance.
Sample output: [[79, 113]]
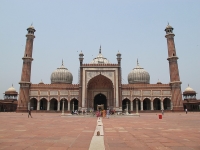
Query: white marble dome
[[138, 75], [100, 59], [11, 89], [61, 75], [189, 89]]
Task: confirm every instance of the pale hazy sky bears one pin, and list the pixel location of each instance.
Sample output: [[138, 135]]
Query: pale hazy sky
[[65, 27]]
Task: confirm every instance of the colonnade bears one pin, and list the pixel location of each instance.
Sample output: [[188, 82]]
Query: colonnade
[[152, 105], [48, 105]]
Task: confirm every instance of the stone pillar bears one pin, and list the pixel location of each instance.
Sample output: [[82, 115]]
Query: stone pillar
[[151, 105], [171, 103], [161, 103], [131, 105], [63, 108], [68, 105], [29, 105], [48, 105], [73, 106], [58, 106], [38, 105], [141, 106], [136, 106], [127, 108]]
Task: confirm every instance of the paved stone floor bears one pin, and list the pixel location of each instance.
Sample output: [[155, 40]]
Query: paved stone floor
[[48, 131]]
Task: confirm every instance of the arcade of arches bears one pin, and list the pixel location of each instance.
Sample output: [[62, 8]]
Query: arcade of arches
[[100, 92], [147, 104], [53, 104], [100, 99]]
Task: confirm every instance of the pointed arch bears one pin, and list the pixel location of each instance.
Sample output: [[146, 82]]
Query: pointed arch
[[157, 104], [100, 84], [167, 104], [96, 82], [33, 103], [146, 104], [43, 104], [74, 104], [126, 102], [53, 104]]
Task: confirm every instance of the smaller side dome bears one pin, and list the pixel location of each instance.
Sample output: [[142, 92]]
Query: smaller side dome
[[100, 59], [31, 27], [159, 82], [11, 90], [169, 27], [61, 75], [41, 82], [189, 90]]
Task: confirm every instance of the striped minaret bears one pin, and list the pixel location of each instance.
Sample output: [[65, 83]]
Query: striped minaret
[[175, 82], [25, 82]]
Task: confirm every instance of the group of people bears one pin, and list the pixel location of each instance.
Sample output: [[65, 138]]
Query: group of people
[[78, 112], [75, 112], [104, 113]]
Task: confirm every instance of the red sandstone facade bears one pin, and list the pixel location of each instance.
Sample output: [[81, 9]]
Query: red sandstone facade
[[100, 84]]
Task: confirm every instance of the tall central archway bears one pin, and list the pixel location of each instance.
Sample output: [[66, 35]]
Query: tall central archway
[[100, 99], [100, 89]]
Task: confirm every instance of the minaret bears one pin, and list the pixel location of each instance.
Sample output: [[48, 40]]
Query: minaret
[[25, 83], [175, 82], [119, 78], [81, 57]]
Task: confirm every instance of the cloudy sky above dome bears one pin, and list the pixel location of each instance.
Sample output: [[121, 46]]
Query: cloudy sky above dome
[[134, 28]]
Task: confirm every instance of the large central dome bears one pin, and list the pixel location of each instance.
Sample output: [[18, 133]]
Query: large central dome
[[138, 75], [100, 59], [61, 75]]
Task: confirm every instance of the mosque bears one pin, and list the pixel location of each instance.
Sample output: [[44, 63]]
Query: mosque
[[100, 85]]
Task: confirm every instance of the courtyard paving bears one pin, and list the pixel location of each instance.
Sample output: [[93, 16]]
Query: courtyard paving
[[50, 131]]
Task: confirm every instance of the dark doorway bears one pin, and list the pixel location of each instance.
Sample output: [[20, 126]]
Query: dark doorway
[[124, 106], [43, 104], [33, 104], [167, 104], [156, 104], [53, 104], [75, 101], [146, 104], [100, 99]]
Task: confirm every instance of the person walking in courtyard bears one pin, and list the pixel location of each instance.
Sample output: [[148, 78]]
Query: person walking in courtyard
[[104, 113], [29, 113], [107, 113], [97, 113], [186, 110]]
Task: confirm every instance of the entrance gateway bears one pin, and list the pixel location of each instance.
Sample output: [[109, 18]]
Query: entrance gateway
[[100, 93]]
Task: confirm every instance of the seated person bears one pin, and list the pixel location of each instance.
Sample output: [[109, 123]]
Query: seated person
[[76, 112], [72, 112]]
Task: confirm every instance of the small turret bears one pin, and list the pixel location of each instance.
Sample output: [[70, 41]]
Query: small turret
[[119, 58], [81, 57]]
